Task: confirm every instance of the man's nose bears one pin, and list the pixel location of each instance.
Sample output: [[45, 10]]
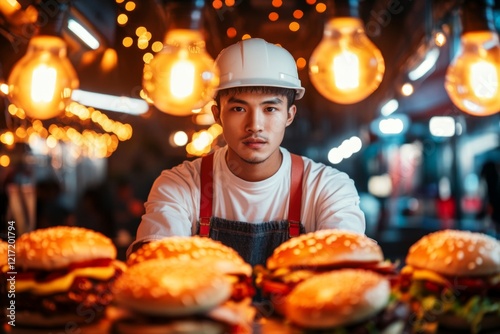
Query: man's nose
[[254, 121]]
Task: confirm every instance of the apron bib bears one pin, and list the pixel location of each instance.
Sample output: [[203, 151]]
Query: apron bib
[[255, 242]]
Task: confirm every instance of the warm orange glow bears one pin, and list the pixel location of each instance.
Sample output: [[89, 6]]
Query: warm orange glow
[[440, 39], [294, 26], [130, 6], [157, 46], [9, 7], [245, 36], [217, 4], [140, 31], [7, 138], [320, 7], [273, 16], [310, 2], [127, 42], [301, 63], [122, 19], [142, 42], [229, 3], [109, 60], [277, 3], [148, 56], [4, 160], [298, 14], [231, 32]]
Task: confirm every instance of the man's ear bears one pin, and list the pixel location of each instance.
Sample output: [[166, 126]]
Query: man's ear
[[216, 113], [291, 115]]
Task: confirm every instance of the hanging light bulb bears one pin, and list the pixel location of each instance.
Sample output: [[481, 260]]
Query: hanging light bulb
[[182, 76], [346, 67], [42, 81], [472, 78]]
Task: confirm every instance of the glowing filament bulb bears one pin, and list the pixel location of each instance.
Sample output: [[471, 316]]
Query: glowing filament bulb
[[483, 79], [43, 84], [182, 79], [472, 77], [346, 70], [346, 67]]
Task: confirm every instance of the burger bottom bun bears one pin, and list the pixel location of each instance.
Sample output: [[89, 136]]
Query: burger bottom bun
[[181, 326], [338, 298], [451, 321], [35, 323]]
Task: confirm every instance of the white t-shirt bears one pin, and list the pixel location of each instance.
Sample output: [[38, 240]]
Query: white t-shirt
[[329, 198]]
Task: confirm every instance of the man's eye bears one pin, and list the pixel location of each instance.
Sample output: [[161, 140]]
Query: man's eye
[[239, 109], [271, 109]]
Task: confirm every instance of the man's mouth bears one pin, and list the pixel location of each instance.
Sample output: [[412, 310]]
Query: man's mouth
[[254, 142]]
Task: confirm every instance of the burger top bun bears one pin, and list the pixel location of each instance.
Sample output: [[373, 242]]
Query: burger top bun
[[456, 253], [57, 247], [224, 258], [325, 247], [337, 298], [171, 287]]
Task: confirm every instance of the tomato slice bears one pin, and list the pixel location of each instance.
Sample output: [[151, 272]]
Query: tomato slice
[[272, 287]]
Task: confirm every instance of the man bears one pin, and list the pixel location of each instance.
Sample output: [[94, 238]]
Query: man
[[252, 194]]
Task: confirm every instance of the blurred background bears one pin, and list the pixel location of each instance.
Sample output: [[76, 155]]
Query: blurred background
[[418, 133]]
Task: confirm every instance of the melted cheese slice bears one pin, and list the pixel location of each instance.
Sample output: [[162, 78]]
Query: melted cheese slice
[[424, 275], [63, 283], [427, 275]]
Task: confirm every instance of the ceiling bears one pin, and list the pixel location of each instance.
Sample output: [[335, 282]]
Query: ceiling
[[398, 28]]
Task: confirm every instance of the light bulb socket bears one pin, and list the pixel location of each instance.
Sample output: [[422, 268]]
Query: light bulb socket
[[343, 8], [52, 16], [477, 15], [182, 14]]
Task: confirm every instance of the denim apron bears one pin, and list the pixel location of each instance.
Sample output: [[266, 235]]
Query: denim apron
[[254, 242]]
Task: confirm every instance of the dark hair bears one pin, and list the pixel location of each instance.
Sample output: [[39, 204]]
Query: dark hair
[[287, 92]]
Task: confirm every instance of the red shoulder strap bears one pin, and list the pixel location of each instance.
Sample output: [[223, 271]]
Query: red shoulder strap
[[295, 203], [206, 193]]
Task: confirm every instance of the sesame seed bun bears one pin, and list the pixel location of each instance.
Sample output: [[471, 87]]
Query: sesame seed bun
[[337, 298], [325, 248], [456, 253], [58, 247], [224, 258], [171, 287]]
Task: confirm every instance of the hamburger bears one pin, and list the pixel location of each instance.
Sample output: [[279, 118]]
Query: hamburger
[[237, 309], [452, 280], [173, 296], [313, 253], [64, 275], [346, 301]]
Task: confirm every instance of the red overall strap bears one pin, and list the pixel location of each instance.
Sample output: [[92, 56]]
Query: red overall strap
[[295, 195], [206, 194]]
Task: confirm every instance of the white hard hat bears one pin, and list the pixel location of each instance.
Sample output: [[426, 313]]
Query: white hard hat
[[255, 62]]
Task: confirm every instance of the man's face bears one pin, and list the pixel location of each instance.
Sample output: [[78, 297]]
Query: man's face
[[254, 125]]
